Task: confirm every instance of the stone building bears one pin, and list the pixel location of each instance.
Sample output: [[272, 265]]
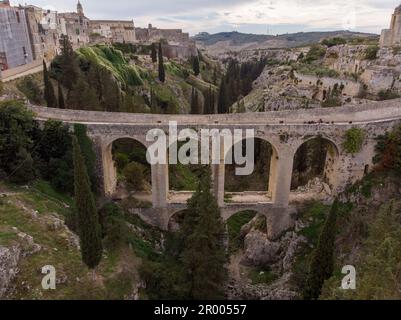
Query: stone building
[[15, 45], [75, 25], [113, 30], [43, 32], [392, 36], [152, 34], [176, 44]]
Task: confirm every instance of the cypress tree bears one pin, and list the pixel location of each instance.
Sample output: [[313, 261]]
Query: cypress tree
[[50, 97], [321, 267], [223, 99], [194, 102], [203, 255], [215, 76], [153, 53], [162, 73], [212, 100], [86, 213], [61, 101], [86, 145], [68, 64], [195, 65]]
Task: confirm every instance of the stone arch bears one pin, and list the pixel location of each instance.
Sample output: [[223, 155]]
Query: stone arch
[[229, 211], [328, 154], [267, 168], [109, 165], [175, 219]]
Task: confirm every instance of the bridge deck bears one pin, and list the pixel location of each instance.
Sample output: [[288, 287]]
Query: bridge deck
[[364, 113]]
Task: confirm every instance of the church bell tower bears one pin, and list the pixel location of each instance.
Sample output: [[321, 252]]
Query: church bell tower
[[80, 9]]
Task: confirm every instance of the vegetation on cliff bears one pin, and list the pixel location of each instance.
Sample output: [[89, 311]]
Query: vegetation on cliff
[[192, 264], [87, 219]]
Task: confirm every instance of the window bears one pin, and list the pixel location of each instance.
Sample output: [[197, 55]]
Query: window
[[18, 17]]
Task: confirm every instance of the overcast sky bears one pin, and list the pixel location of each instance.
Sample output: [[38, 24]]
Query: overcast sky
[[255, 16]]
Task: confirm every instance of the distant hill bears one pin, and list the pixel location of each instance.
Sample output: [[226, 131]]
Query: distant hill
[[240, 41]]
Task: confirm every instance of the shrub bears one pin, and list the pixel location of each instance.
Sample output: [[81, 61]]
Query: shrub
[[353, 141], [114, 227], [134, 175], [121, 160], [387, 95], [371, 52], [321, 267], [23, 170], [388, 151], [30, 88], [331, 42], [316, 52]]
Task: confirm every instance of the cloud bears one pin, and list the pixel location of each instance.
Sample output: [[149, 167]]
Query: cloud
[[251, 15]]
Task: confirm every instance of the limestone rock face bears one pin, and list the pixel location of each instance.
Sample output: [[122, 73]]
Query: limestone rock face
[[9, 258], [259, 251]]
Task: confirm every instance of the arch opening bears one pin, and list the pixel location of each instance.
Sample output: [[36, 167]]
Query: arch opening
[[258, 186], [314, 166], [176, 220], [132, 173], [183, 178]]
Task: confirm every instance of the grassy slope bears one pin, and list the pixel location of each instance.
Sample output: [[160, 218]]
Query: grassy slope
[[116, 275], [368, 237]]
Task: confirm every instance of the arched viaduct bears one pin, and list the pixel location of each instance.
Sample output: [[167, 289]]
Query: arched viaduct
[[286, 131]]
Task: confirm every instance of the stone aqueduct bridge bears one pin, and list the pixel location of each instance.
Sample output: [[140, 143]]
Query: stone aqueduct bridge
[[286, 131]]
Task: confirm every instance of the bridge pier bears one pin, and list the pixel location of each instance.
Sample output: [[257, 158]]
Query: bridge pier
[[280, 177], [218, 176], [160, 185]]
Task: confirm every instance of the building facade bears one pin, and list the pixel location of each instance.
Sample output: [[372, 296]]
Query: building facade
[[114, 31], [76, 26], [15, 45], [392, 36], [43, 32], [152, 34]]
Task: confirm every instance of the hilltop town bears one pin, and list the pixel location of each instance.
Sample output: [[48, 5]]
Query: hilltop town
[[79, 99], [32, 34]]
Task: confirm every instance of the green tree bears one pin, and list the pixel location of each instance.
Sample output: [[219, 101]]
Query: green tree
[[50, 97], [68, 69], [23, 168], [83, 97], [195, 65], [134, 175], [353, 140], [17, 129], [203, 255], [388, 151], [215, 76], [30, 87], [194, 101], [54, 151], [223, 103], [153, 53], [162, 72], [61, 100], [87, 216], [322, 263], [86, 145]]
